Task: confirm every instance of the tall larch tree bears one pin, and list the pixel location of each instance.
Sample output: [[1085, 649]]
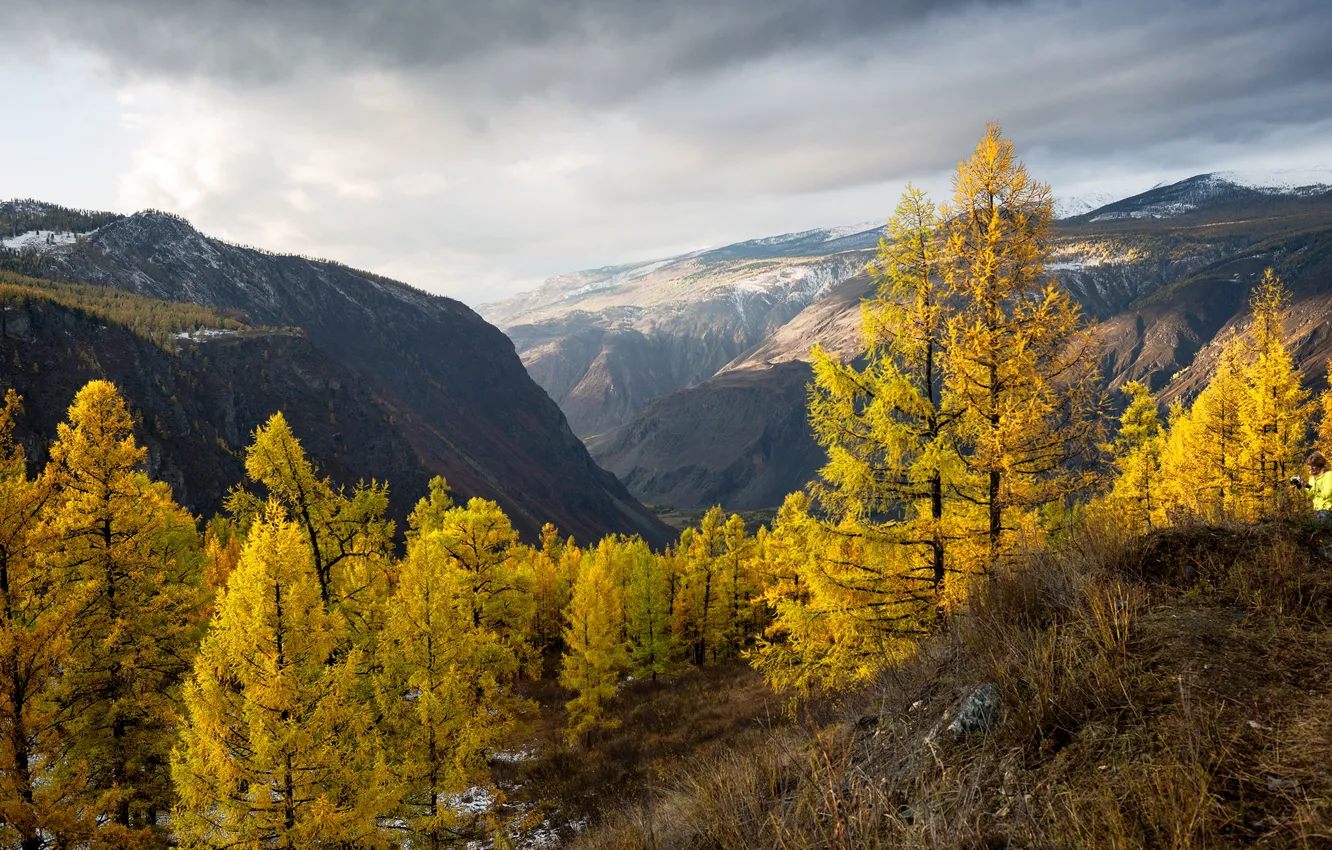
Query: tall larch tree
[[1136, 496], [699, 594], [35, 805], [886, 427], [349, 539], [1022, 367], [1274, 414], [595, 655], [652, 647], [1201, 462], [481, 546], [278, 748], [736, 586], [120, 543], [445, 689]]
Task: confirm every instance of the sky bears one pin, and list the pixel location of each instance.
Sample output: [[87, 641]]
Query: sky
[[475, 147]]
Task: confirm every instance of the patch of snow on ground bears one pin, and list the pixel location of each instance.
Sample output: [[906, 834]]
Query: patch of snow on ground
[[39, 239], [203, 334], [513, 756]]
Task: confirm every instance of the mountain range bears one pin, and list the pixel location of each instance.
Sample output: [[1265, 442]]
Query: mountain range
[[379, 379], [687, 376]]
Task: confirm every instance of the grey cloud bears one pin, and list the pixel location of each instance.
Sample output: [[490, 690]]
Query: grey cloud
[[468, 145], [629, 43]]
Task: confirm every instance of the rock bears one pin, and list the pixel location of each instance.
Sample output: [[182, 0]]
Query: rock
[[979, 711]]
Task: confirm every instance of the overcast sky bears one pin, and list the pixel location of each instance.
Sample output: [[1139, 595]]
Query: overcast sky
[[475, 147]]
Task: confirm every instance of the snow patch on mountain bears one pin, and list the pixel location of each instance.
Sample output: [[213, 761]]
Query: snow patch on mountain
[[40, 240], [1077, 205], [1297, 181]]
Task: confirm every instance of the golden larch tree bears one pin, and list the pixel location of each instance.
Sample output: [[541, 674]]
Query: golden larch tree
[[278, 749], [37, 804], [1136, 496], [1274, 412], [445, 686], [119, 542], [595, 655], [1022, 367]]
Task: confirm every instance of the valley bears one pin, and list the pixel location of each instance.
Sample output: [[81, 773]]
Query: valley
[[684, 375]]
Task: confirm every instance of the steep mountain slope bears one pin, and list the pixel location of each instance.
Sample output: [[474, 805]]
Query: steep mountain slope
[[605, 341], [739, 440], [453, 385], [198, 404], [1160, 288]]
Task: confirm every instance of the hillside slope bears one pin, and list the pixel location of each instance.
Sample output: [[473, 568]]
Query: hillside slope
[[1160, 289], [456, 390], [197, 403], [1166, 691]]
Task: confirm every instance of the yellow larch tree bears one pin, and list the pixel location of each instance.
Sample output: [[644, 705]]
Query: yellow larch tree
[[595, 655], [278, 748], [1325, 423], [349, 539], [1136, 496], [446, 683], [121, 544], [1274, 413], [37, 806], [736, 585], [481, 546], [552, 585], [1022, 368], [652, 646], [1201, 462], [698, 596]]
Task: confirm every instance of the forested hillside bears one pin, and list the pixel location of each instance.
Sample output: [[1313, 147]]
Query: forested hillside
[[993, 615], [452, 385]]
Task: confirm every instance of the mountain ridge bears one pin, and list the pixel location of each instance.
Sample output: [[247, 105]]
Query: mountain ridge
[[464, 404]]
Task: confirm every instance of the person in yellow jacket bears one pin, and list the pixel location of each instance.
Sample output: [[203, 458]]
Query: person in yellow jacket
[[1319, 486]]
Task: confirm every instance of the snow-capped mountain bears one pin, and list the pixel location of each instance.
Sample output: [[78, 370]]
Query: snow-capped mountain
[[1216, 190]]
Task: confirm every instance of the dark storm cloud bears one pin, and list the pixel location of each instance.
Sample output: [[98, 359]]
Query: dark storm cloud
[[471, 144], [257, 41]]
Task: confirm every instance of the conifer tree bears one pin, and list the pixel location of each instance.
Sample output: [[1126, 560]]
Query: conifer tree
[[699, 592], [551, 585], [736, 588], [278, 749], [348, 537], [1137, 492], [36, 805], [1201, 462], [481, 546], [445, 689], [1273, 416], [886, 427], [1325, 423], [594, 648], [1022, 367], [121, 544], [652, 647]]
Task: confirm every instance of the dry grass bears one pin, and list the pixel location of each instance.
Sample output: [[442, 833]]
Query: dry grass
[[1169, 691]]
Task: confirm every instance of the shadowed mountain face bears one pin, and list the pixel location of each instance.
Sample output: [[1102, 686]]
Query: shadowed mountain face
[[196, 407], [452, 385], [1160, 275]]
